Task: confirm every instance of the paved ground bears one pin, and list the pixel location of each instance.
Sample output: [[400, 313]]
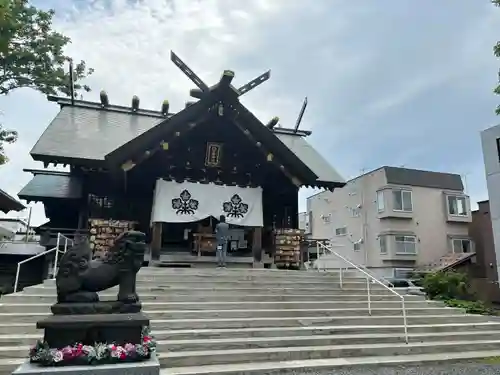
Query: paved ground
[[445, 369]]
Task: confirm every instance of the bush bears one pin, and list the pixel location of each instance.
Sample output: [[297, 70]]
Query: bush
[[446, 285], [470, 307]]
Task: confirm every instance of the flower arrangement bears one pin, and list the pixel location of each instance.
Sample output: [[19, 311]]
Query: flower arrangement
[[99, 353]]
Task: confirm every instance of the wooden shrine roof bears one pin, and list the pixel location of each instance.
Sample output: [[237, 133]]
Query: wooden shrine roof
[[51, 184], [107, 136], [9, 203]]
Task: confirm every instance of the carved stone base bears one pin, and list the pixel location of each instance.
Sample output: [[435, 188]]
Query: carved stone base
[[63, 330], [88, 308]]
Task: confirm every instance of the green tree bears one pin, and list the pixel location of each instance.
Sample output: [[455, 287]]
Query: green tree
[[32, 56], [496, 50]]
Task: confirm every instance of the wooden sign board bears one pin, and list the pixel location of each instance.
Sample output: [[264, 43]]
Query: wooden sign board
[[103, 234], [213, 156]]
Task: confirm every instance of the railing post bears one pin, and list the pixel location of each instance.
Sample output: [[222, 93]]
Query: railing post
[[56, 259], [317, 255], [17, 277], [369, 296], [341, 282], [405, 323]]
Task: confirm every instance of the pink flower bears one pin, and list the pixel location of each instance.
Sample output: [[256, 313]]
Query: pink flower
[[78, 352], [67, 352], [130, 348]]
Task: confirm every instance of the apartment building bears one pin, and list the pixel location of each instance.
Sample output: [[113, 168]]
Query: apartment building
[[490, 141], [393, 219]]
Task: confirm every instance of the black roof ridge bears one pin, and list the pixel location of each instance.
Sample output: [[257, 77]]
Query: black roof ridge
[[62, 101], [110, 107]]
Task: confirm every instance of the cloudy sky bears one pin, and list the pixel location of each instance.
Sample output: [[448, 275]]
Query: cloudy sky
[[389, 82]]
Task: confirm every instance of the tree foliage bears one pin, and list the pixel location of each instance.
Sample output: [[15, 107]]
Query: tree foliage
[[32, 56], [496, 50]]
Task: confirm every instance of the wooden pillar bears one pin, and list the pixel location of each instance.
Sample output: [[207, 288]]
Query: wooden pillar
[[156, 234], [257, 245]]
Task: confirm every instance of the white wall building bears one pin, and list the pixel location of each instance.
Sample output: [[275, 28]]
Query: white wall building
[[490, 140], [393, 219]]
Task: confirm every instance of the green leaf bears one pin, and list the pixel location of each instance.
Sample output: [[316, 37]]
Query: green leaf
[[32, 55]]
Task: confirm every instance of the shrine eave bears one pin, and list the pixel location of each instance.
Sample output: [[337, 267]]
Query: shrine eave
[[51, 185], [9, 203]]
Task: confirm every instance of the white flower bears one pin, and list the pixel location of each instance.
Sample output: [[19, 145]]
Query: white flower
[[57, 355], [89, 350]]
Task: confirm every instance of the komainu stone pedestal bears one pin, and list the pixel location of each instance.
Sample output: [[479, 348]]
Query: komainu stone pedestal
[[149, 367], [84, 334], [64, 330]]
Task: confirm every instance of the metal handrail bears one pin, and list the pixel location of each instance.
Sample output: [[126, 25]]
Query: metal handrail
[[66, 239], [330, 243], [56, 249], [374, 279]]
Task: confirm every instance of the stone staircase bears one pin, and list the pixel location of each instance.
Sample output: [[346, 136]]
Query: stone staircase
[[242, 321]]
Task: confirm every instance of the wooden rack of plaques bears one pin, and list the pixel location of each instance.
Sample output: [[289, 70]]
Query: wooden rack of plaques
[[288, 247], [103, 234]]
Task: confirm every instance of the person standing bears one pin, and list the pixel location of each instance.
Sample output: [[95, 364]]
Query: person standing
[[222, 238]]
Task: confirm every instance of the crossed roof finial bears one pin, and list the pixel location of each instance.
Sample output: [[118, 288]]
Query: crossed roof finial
[[226, 79]]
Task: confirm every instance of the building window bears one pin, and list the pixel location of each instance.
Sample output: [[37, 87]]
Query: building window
[[383, 244], [402, 273], [498, 148], [380, 201], [406, 245], [402, 200], [341, 231], [357, 246], [457, 206], [355, 212], [462, 245]]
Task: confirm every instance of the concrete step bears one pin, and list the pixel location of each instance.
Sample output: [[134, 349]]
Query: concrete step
[[50, 297], [215, 357], [11, 307], [319, 340], [199, 337], [266, 275], [316, 321], [25, 322], [332, 365], [256, 272], [303, 312], [207, 288], [186, 334], [260, 313], [362, 340], [276, 276], [8, 365], [242, 284]]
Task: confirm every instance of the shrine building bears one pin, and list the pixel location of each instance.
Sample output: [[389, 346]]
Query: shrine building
[[172, 175]]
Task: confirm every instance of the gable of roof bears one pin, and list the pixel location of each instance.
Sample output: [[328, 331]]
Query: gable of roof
[[415, 177]]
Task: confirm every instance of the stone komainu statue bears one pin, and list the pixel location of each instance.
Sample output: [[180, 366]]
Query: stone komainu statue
[[79, 278]]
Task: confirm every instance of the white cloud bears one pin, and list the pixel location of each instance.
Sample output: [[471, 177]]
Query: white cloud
[[339, 53], [129, 43]]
